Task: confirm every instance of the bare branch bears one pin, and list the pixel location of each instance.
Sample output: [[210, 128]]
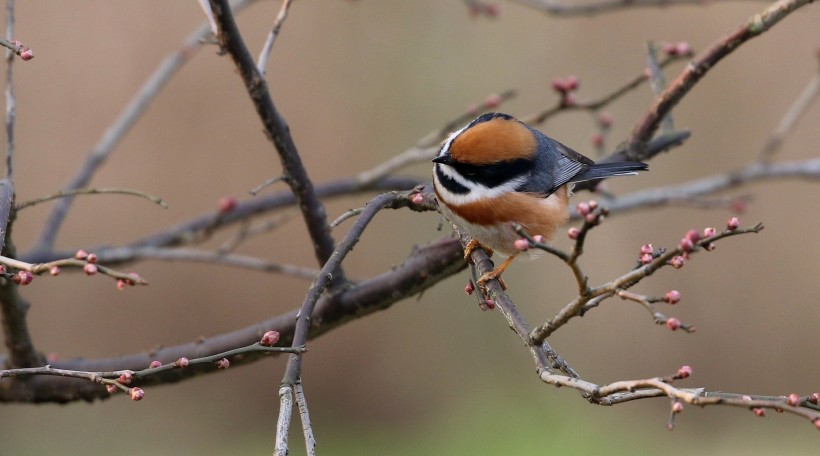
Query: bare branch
[[277, 130], [277, 25], [122, 125], [699, 67]]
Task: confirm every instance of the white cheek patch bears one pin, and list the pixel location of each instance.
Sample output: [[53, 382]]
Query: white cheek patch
[[477, 191], [449, 142]]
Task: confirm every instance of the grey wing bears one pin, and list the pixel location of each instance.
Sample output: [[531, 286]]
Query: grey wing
[[555, 165]]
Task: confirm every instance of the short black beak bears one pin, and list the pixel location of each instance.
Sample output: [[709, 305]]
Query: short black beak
[[445, 159]]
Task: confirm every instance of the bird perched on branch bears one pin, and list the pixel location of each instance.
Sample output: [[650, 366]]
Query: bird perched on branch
[[497, 172]]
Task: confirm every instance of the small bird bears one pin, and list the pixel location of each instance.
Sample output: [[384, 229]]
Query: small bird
[[497, 172]]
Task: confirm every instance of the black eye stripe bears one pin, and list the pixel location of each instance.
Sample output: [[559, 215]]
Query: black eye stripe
[[494, 174], [449, 183]]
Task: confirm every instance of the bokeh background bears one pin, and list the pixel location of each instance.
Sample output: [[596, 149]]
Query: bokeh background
[[359, 82]]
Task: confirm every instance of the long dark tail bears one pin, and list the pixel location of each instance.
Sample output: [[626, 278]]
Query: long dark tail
[[602, 170]]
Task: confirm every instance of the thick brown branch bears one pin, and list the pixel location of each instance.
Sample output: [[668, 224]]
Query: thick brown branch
[[425, 267]]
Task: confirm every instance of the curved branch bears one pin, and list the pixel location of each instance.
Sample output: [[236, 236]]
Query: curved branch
[[425, 267], [697, 69]]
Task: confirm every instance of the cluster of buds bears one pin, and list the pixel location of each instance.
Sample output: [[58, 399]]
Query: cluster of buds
[[24, 52], [90, 259], [22, 278], [587, 210], [566, 87], [604, 123]]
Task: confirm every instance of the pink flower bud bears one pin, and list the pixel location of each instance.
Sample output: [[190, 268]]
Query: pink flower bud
[[121, 284], [593, 204], [647, 248], [597, 139], [709, 232], [673, 323], [672, 296], [182, 362], [683, 48], [90, 269], [23, 278], [154, 364], [522, 245], [759, 412], [16, 278], [684, 372], [538, 239], [605, 120], [417, 198], [2, 269], [677, 261], [81, 254], [582, 208], [489, 304], [646, 258], [559, 85], [793, 399], [733, 224], [592, 219], [125, 377], [469, 288], [493, 10], [693, 235], [710, 246], [270, 338], [572, 82], [227, 204], [746, 398], [814, 398], [223, 363], [686, 245], [91, 258], [136, 394], [54, 270], [817, 423], [677, 407], [111, 388], [26, 54], [492, 101], [573, 233]]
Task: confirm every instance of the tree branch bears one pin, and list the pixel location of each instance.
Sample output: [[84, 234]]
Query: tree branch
[[277, 130]]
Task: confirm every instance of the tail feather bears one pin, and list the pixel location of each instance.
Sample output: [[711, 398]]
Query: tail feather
[[602, 170]]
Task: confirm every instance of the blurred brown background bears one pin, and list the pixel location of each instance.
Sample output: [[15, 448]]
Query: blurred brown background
[[359, 82]]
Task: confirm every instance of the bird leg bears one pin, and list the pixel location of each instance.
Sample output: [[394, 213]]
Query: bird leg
[[496, 274]]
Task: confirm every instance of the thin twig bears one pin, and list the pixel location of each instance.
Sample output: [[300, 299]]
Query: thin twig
[[93, 191], [591, 8], [790, 118], [277, 25], [307, 429], [123, 124]]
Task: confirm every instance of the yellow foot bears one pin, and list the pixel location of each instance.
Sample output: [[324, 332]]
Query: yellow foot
[[496, 274]]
